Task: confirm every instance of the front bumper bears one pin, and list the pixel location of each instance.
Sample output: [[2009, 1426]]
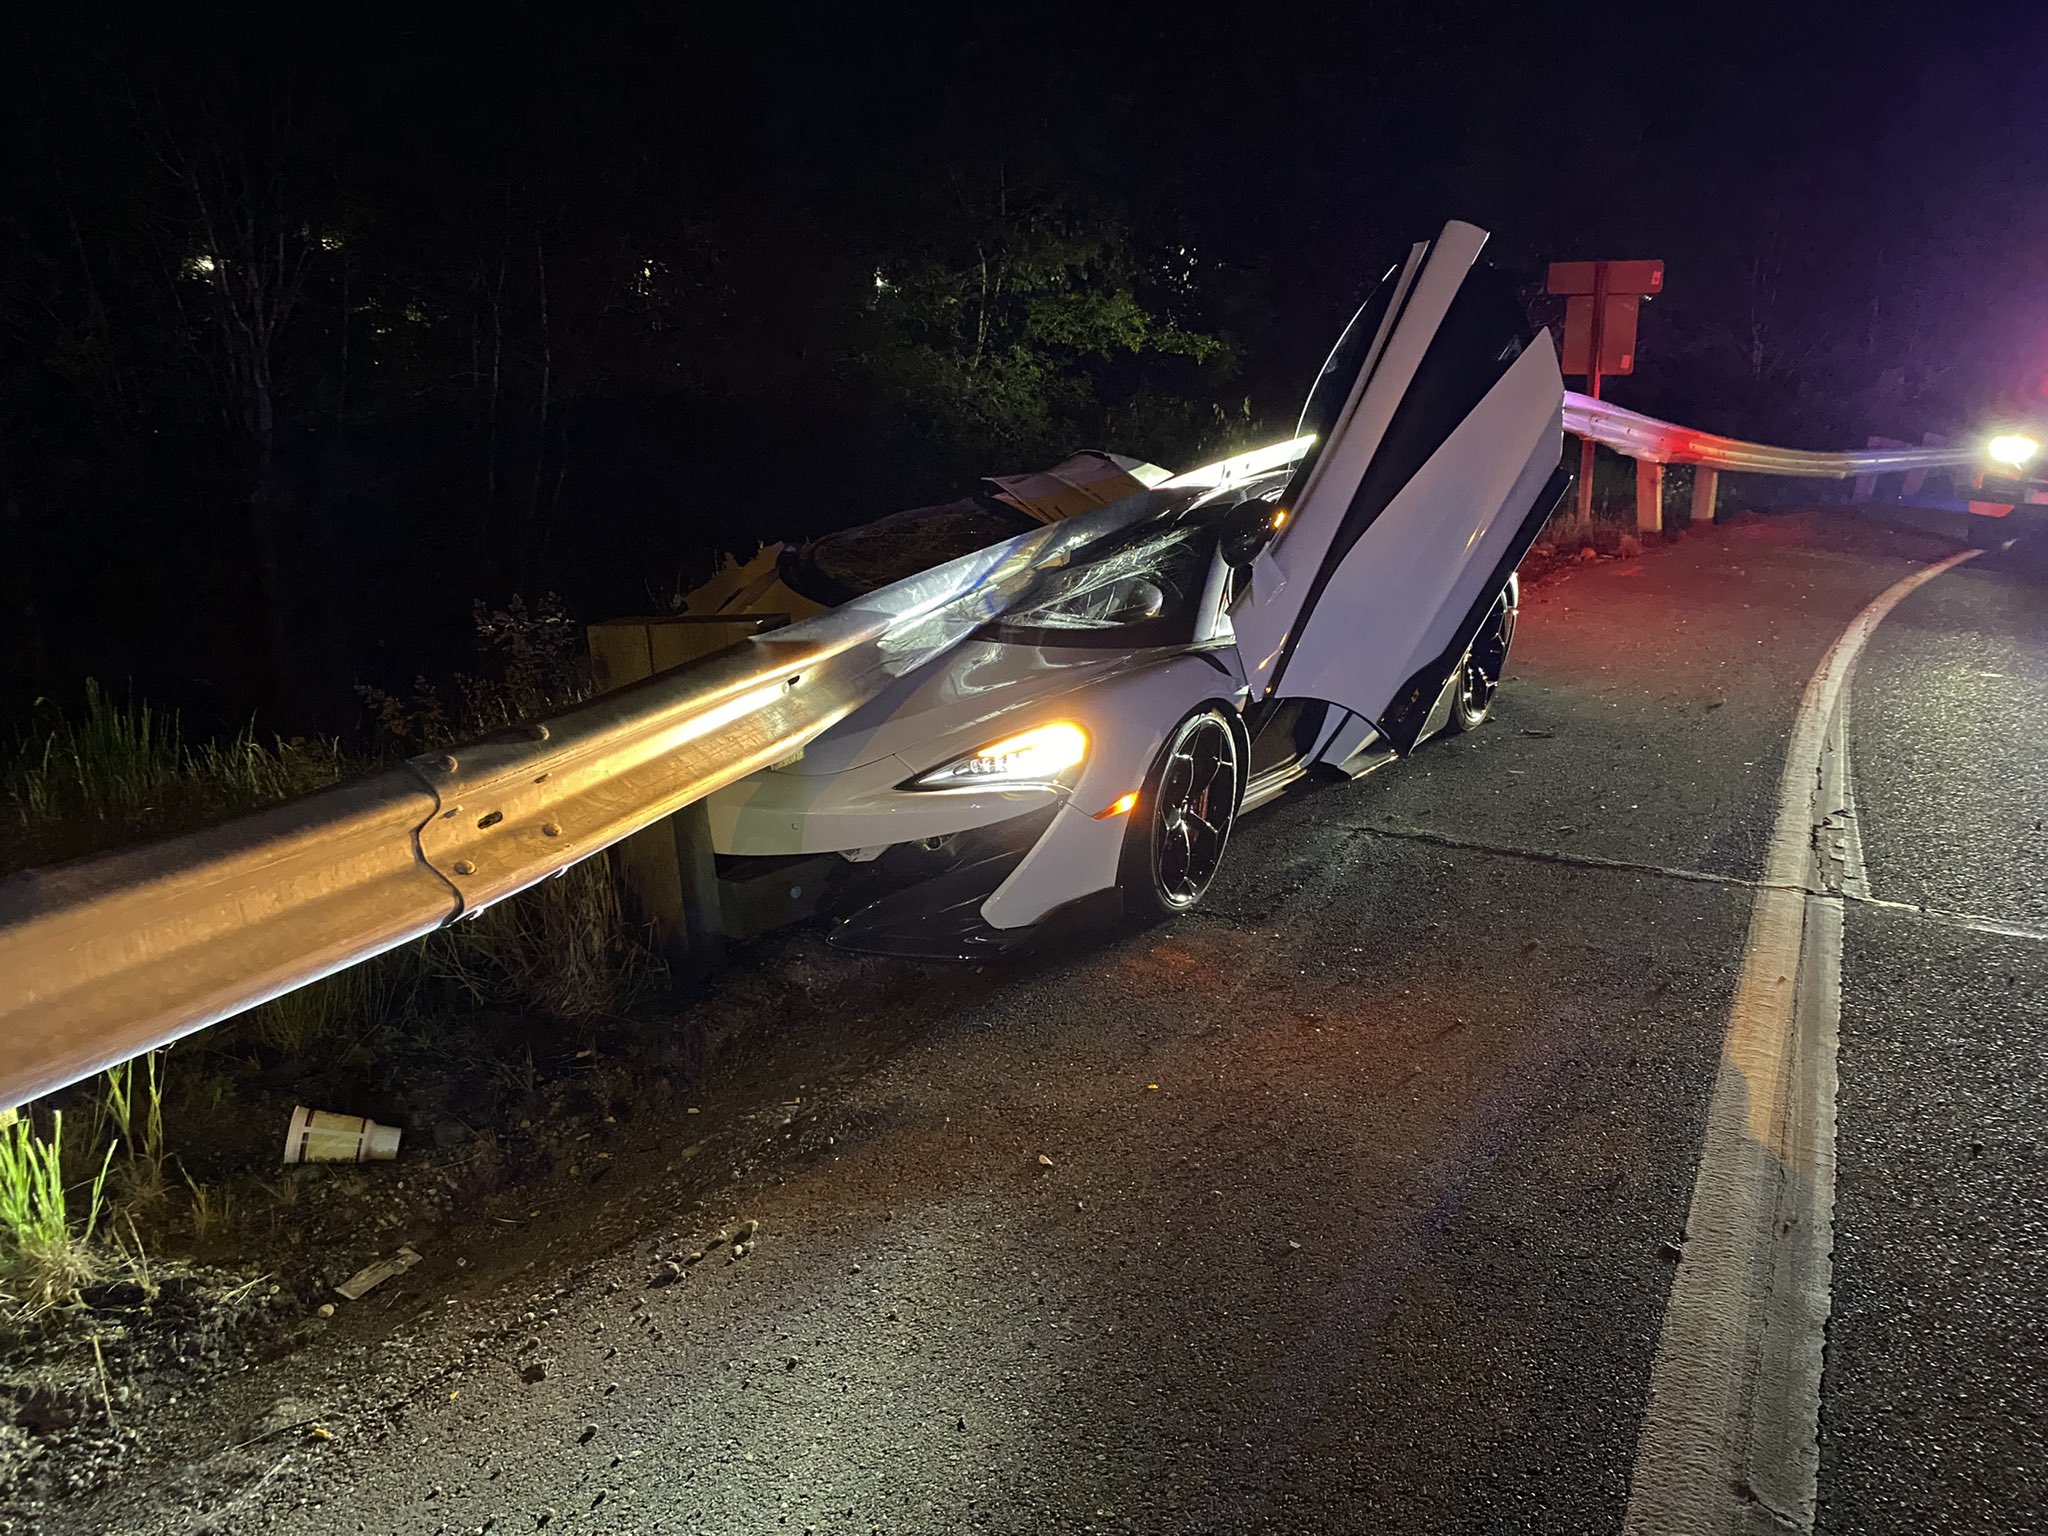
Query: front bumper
[[921, 899], [927, 902]]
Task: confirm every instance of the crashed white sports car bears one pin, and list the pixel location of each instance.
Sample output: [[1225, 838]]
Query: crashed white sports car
[[1323, 605]]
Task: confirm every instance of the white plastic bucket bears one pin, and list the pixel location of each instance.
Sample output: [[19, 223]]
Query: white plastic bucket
[[319, 1137]]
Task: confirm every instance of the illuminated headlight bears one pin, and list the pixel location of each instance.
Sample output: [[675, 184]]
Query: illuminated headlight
[[1036, 756], [2013, 448]]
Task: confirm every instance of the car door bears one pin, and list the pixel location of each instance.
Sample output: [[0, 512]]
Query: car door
[[1440, 434]]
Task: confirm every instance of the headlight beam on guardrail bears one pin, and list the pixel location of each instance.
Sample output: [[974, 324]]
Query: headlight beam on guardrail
[[108, 957]]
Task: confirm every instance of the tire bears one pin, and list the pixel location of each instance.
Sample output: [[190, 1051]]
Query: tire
[[1182, 821], [1479, 674]]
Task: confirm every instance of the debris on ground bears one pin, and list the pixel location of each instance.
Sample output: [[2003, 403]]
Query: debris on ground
[[316, 1136], [370, 1276]]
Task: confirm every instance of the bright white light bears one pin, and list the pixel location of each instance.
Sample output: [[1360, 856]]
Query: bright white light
[[721, 715], [1036, 756], [2014, 448], [1244, 466], [201, 265]]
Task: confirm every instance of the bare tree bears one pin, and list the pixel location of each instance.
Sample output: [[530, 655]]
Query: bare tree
[[236, 234]]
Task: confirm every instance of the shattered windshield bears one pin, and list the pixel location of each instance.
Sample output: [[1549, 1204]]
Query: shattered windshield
[[1138, 587]]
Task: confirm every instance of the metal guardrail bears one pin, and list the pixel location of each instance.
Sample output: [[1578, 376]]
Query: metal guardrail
[[1649, 440], [108, 957]]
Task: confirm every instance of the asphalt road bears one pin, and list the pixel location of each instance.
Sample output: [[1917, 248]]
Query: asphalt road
[[1345, 1205], [1936, 1400]]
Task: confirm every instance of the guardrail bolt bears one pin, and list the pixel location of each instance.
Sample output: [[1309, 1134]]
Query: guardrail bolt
[[448, 763], [549, 829], [536, 732], [464, 867]]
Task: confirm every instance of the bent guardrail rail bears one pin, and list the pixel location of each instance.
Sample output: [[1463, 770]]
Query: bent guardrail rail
[[108, 957], [1648, 440]]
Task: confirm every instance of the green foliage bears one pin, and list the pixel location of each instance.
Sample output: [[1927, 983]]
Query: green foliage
[[78, 783], [145, 1146], [113, 764], [533, 664], [46, 1260], [1021, 322]]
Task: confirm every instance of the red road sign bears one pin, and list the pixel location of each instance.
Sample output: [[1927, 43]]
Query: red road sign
[[1601, 301], [1617, 332], [1637, 277]]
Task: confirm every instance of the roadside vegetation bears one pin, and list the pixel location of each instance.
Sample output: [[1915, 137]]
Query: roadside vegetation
[[174, 1152]]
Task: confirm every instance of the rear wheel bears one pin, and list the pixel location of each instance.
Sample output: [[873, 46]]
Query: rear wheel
[[1183, 818], [1480, 674]]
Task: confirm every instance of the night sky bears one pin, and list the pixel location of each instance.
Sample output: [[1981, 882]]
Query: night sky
[[316, 324]]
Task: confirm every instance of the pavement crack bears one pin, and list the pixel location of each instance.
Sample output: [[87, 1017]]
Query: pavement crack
[[1832, 889], [1553, 856], [1996, 926]]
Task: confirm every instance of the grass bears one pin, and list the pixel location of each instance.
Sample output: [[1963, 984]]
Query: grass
[[109, 772], [47, 1259], [138, 1129], [83, 781], [563, 949], [341, 1013]]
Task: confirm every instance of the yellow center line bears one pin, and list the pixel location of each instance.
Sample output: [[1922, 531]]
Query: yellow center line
[[1729, 1441]]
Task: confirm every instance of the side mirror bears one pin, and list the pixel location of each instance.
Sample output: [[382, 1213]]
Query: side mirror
[[1248, 528]]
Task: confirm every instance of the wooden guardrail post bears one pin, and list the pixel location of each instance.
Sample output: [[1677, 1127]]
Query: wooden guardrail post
[[1706, 487], [1649, 497], [667, 871]]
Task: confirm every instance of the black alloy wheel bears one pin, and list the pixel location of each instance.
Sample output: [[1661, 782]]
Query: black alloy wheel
[[1480, 674], [1183, 818]]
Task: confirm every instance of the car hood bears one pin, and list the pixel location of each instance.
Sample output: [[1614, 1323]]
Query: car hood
[[979, 681]]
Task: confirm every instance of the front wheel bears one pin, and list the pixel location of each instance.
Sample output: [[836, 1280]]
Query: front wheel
[[1480, 674], [1183, 817]]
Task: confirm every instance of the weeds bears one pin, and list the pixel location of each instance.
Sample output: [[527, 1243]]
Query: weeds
[[354, 1001], [113, 764], [564, 948], [533, 663], [81, 782], [134, 1256], [210, 1214], [47, 1259], [145, 1172], [78, 784]]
